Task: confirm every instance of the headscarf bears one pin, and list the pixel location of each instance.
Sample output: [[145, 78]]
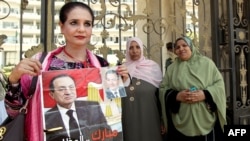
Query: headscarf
[[143, 68], [201, 72]]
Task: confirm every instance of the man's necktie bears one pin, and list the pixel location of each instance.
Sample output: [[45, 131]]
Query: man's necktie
[[73, 126], [115, 94]]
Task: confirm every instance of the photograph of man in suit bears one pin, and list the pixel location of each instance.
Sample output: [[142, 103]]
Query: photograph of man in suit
[[71, 119], [114, 89]]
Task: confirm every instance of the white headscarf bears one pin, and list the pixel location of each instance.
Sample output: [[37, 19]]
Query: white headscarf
[[143, 68]]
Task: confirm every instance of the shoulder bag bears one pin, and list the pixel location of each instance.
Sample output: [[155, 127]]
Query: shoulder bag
[[12, 129]]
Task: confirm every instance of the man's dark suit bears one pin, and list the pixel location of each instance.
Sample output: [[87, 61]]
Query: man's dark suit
[[90, 118], [110, 95]]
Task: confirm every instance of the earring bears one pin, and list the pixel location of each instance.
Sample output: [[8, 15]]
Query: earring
[[60, 39]]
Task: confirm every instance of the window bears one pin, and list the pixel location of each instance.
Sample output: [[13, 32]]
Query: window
[[10, 58]]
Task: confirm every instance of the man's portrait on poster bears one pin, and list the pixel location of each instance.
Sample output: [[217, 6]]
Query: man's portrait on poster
[[88, 117], [113, 85]]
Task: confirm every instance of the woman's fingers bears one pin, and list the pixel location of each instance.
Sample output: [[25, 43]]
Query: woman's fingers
[[26, 66]]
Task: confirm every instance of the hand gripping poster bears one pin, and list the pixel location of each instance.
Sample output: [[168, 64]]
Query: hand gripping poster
[[82, 104]]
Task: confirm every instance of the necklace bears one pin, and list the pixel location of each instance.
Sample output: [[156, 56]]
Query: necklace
[[85, 63]]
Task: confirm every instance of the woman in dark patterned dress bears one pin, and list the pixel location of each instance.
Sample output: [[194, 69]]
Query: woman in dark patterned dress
[[76, 23]]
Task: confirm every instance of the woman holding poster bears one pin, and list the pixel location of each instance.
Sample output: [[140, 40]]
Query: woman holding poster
[[140, 109], [76, 23]]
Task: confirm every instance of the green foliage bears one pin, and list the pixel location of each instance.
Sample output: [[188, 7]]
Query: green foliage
[[7, 70]]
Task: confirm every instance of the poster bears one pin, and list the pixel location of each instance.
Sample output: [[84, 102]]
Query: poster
[[94, 115]]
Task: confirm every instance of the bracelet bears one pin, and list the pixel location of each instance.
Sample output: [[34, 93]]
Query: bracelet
[[13, 84]]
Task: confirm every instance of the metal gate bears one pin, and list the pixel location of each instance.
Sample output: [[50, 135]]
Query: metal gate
[[231, 49], [219, 28]]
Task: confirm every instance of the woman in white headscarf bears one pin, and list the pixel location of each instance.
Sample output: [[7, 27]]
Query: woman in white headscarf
[[140, 109]]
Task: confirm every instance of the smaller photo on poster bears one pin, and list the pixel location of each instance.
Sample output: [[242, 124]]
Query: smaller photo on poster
[[112, 82]]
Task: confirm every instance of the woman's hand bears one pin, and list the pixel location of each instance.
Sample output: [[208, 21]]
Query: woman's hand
[[123, 71], [182, 96], [196, 96], [190, 97], [28, 66], [163, 130]]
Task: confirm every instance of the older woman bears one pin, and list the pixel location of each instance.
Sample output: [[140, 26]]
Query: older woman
[[140, 113], [193, 96]]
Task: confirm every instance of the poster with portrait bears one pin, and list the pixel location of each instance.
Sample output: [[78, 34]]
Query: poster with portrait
[[76, 106]]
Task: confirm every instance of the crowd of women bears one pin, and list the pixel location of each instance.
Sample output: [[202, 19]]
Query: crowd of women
[[187, 103]]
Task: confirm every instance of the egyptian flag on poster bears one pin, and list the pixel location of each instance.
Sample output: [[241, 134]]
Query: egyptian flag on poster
[[81, 91]]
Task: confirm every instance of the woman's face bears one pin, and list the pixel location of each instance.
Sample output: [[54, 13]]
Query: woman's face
[[182, 50], [134, 51], [77, 29]]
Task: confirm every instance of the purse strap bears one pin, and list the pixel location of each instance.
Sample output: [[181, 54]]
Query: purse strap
[[34, 79], [32, 87]]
